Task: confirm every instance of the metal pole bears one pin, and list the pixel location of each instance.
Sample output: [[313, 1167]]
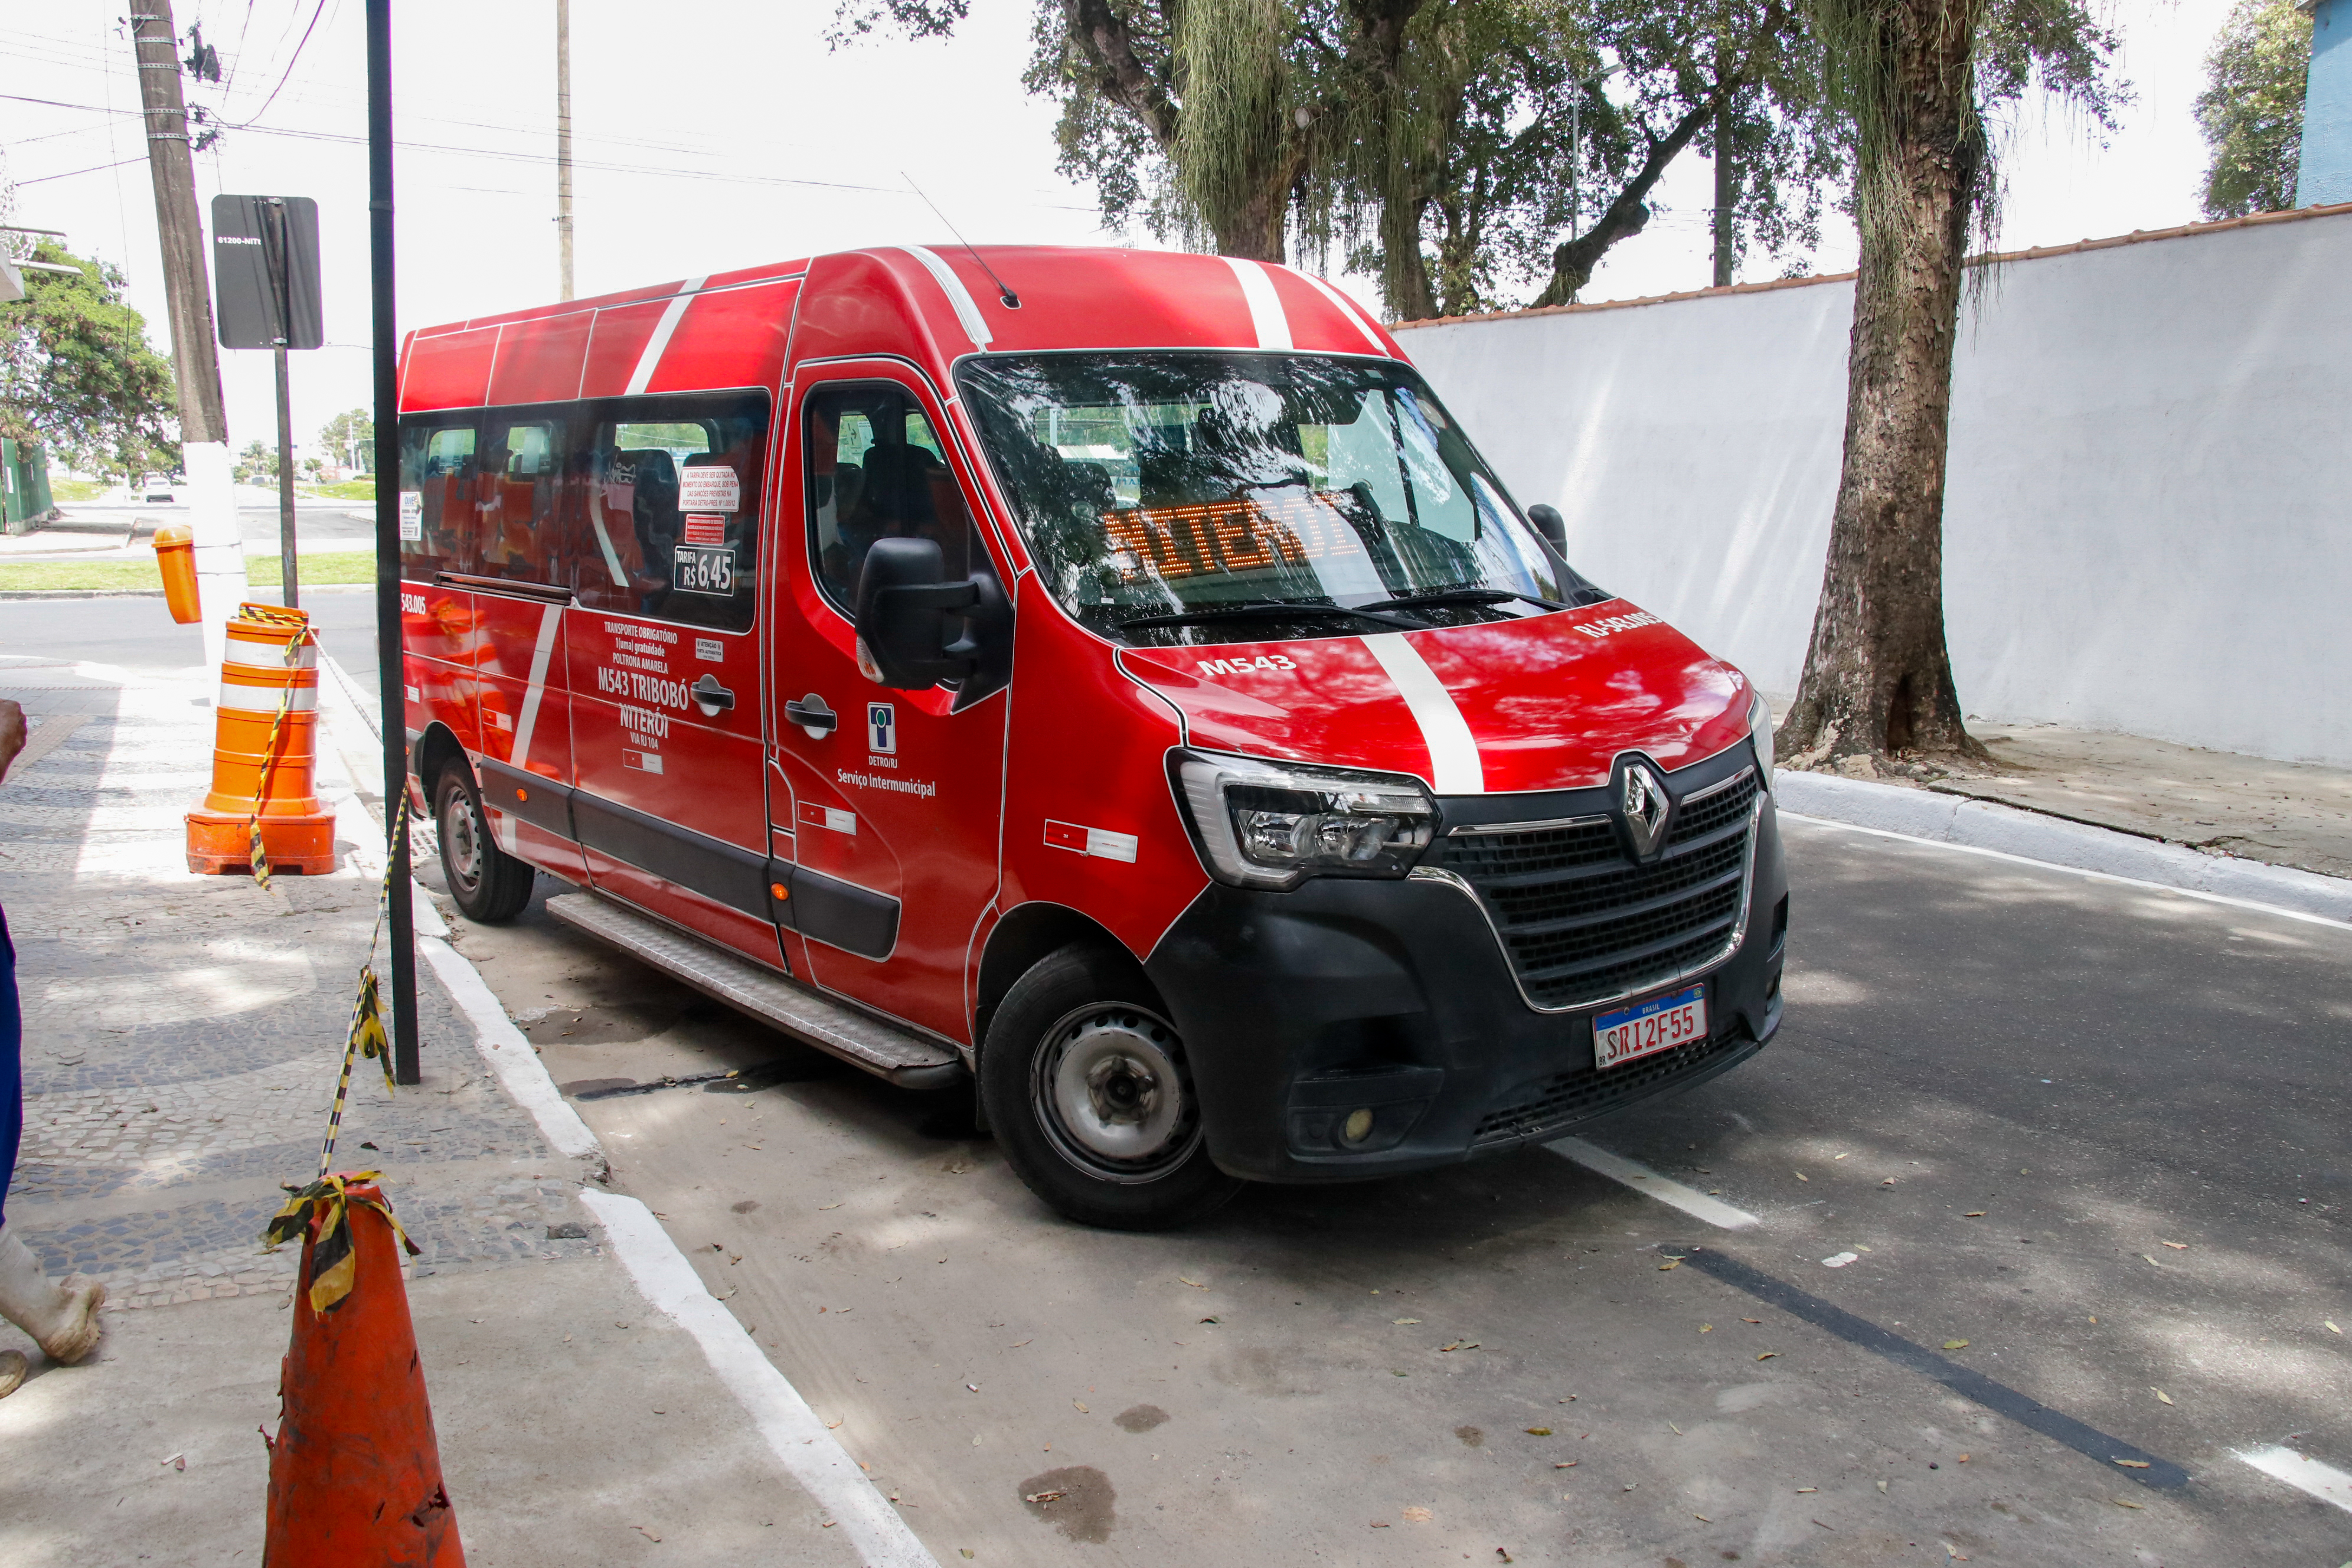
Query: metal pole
[[286, 573], [280, 248], [390, 659], [564, 138]]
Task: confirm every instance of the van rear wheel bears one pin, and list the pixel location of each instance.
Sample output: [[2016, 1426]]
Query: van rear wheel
[[1086, 1087], [489, 884]]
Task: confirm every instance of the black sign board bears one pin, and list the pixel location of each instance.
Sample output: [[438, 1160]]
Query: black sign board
[[266, 272]]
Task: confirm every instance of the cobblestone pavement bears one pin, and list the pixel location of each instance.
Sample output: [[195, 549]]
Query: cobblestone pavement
[[183, 1034]]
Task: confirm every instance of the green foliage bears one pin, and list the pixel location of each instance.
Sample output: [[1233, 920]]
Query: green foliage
[[2251, 109], [349, 437], [76, 376], [257, 465], [1986, 55]]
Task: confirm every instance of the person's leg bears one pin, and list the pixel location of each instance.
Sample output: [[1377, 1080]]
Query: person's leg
[[63, 1321], [11, 1065]]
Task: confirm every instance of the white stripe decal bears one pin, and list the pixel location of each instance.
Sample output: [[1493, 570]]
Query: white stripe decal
[[648, 361], [1348, 309], [966, 309], [605, 543], [1266, 316], [1454, 766], [551, 621]]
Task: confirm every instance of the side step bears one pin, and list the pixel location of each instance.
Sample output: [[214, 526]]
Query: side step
[[903, 1057]]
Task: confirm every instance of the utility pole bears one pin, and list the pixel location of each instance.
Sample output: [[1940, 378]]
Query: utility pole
[[204, 421], [564, 138], [1726, 173]]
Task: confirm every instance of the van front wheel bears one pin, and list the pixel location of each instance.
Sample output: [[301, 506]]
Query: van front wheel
[[1088, 1089], [489, 884]]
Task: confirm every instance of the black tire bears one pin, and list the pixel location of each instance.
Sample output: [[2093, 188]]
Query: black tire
[[489, 884], [1120, 1146]]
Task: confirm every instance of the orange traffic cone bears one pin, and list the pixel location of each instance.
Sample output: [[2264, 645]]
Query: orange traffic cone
[[354, 1472], [265, 753]]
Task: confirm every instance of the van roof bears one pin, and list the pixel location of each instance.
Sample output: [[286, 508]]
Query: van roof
[[937, 302]]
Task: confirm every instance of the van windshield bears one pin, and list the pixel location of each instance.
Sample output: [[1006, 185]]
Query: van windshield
[[1204, 498]]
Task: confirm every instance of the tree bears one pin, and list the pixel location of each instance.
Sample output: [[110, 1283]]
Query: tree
[[1444, 144], [2251, 109], [1913, 79], [257, 465], [76, 376], [351, 437], [1743, 80]]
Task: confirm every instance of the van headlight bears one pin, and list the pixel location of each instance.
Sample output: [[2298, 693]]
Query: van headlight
[[1760, 731], [1260, 824]]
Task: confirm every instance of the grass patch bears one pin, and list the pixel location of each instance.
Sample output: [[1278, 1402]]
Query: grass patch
[[350, 489], [340, 566], [64, 490]]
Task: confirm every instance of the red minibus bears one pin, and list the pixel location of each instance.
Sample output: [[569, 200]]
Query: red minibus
[[1108, 676]]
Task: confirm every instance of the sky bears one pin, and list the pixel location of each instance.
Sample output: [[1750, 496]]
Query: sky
[[727, 134]]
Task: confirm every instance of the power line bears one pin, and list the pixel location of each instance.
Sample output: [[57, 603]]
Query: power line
[[315, 12]]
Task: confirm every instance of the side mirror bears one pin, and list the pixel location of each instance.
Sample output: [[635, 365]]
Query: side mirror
[[1551, 525], [905, 614]]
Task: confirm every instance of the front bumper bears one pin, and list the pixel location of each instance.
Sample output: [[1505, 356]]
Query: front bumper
[[1395, 997]]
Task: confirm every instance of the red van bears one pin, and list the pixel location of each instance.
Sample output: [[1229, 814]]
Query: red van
[[1106, 675]]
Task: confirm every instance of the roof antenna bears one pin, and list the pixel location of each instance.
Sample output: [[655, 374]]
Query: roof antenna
[[1012, 302]]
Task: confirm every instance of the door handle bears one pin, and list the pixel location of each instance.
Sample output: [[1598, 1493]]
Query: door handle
[[712, 696], [813, 716]]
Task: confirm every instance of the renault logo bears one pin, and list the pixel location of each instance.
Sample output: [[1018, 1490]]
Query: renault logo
[[1643, 802]]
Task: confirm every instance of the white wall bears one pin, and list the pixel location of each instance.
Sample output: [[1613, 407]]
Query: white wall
[[2148, 516]]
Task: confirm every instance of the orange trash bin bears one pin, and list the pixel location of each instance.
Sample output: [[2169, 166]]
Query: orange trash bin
[[175, 557], [264, 751]]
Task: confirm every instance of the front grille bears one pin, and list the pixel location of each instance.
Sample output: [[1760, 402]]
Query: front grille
[[1581, 923], [1551, 1104]]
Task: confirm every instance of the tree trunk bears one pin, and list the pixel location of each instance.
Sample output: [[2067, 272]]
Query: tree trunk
[[1727, 194], [1878, 676], [1254, 231]]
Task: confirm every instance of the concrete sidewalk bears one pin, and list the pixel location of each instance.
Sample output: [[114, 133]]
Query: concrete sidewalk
[[182, 1038], [2297, 814]]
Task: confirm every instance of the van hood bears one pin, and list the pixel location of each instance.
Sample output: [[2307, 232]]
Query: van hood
[[1547, 702]]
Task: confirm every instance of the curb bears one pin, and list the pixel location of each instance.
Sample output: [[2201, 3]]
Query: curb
[[1967, 823], [40, 593]]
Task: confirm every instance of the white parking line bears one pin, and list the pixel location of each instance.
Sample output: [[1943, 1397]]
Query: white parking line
[[811, 1453], [1642, 1180], [2084, 871], [2324, 1482]]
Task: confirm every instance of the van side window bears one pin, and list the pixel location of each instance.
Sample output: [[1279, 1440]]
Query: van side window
[[669, 507], [515, 521], [877, 471], [437, 477]]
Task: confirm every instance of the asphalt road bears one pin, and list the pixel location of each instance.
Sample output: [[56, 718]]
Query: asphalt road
[[2088, 1134], [136, 632]]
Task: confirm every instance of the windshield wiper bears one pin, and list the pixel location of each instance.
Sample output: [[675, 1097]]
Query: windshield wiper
[[1465, 594], [1262, 609]]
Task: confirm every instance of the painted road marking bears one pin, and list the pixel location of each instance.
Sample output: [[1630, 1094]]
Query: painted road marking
[[2324, 1482], [813, 1455], [2119, 1456], [1648, 1183], [2255, 904]]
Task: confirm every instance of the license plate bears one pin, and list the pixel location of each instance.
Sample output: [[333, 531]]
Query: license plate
[[1657, 1023], [704, 569]]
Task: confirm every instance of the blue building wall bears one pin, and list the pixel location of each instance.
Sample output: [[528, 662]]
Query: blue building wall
[[2326, 172]]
